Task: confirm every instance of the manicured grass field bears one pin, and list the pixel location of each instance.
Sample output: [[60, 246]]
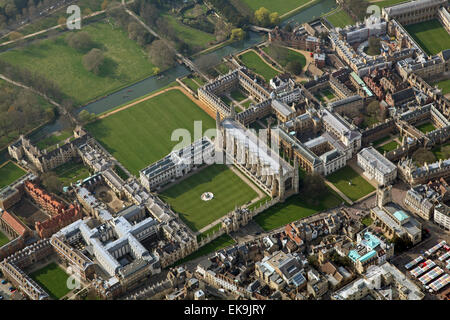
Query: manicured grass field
[[328, 94], [191, 84], [228, 189], [54, 139], [388, 147], [190, 35], [295, 208], [387, 3], [141, 135], [288, 55], [430, 35], [3, 239], [438, 152], [9, 173], [71, 172], [221, 242], [52, 279], [247, 103], [255, 63], [426, 127], [367, 221], [281, 7], [358, 188], [381, 140], [125, 62], [222, 68], [238, 95], [444, 85], [340, 19]]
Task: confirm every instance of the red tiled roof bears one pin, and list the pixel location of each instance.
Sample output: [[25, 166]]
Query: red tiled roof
[[14, 223]]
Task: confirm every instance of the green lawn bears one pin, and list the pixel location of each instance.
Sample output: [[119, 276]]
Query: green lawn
[[328, 94], [444, 85], [71, 172], [190, 35], [125, 62], [210, 231], [221, 242], [9, 173], [3, 239], [387, 3], [252, 61], [141, 135], [228, 189], [426, 127], [238, 95], [281, 6], [53, 280], [247, 103], [226, 100], [223, 68], [388, 147], [54, 139], [191, 84], [295, 208], [340, 19], [381, 140], [430, 35], [438, 152], [284, 55], [367, 221], [358, 188]]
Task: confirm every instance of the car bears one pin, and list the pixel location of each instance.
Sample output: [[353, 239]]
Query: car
[[4, 282], [11, 289], [1, 297]]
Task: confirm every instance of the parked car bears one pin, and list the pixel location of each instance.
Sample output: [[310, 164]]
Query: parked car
[[4, 281], [1, 297], [11, 289]]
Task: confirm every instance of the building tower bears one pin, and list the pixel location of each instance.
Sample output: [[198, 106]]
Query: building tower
[[384, 195]]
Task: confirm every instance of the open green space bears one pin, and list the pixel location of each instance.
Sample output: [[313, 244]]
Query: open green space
[[430, 35], [247, 103], [52, 279], [294, 208], [3, 239], [194, 37], [426, 127], [9, 173], [340, 19], [367, 221], [221, 242], [387, 3], [444, 85], [439, 152], [191, 84], [125, 62], [358, 187], [228, 189], [238, 95], [226, 100], [71, 172], [54, 139], [381, 140], [141, 135], [210, 231], [328, 94], [223, 68], [284, 55], [120, 172], [281, 7], [388, 147], [252, 61]]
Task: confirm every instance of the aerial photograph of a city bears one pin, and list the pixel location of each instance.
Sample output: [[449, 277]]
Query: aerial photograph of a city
[[225, 157]]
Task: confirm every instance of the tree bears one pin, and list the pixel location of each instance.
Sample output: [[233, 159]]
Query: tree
[[445, 150], [294, 67], [161, 55], [262, 17], [51, 182], [14, 35], [373, 108], [374, 46], [237, 34], [85, 116], [62, 21], [274, 18], [156, 70], [104, 4], [93, 60], [80, 41], [422, 155]]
